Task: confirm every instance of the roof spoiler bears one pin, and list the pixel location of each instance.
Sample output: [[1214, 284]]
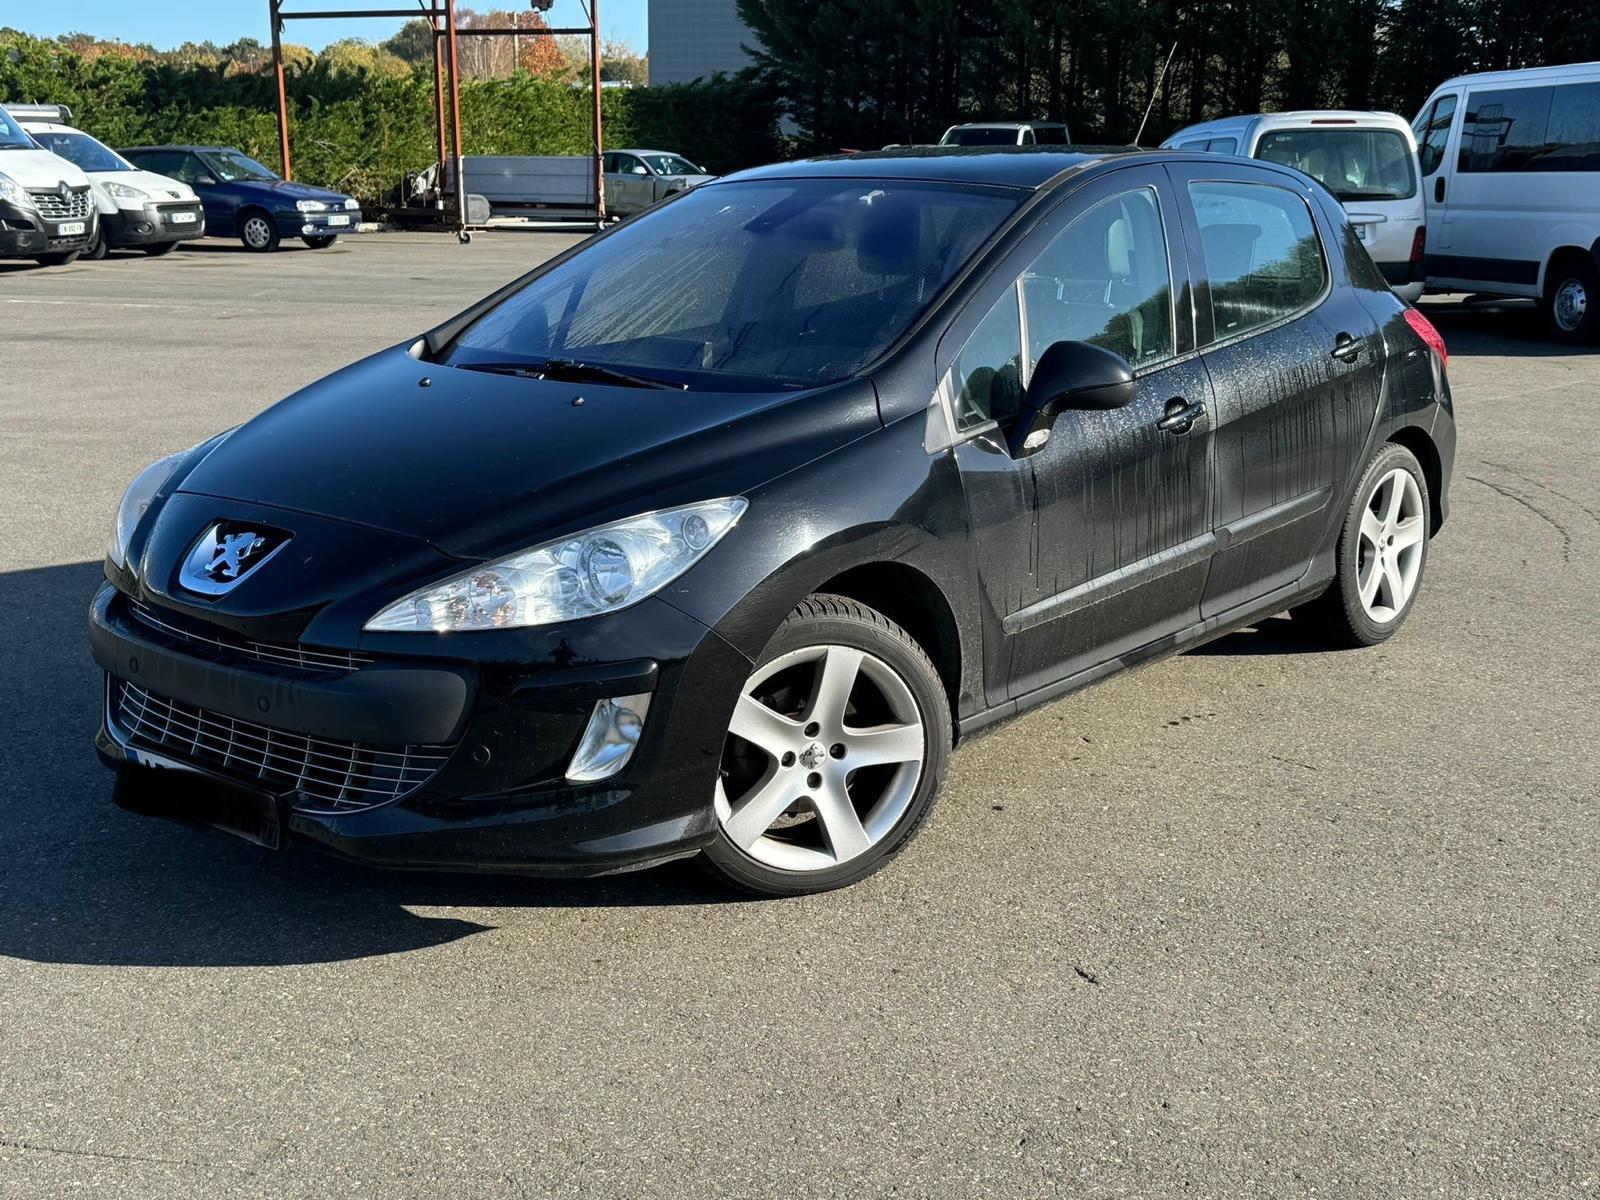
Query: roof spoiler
[[40, 112]]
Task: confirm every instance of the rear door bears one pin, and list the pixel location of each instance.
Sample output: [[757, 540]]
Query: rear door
[[1096, 544], [1295, 361]]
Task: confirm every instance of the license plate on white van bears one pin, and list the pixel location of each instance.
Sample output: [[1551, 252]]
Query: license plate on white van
[[339, 220], [70, 229], [183, 218]]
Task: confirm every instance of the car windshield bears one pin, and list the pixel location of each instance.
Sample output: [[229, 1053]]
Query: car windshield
[[230, 166], [1353, 164], [671, 164], [981, 137], [12, 136], [82, 151], [748, 286]]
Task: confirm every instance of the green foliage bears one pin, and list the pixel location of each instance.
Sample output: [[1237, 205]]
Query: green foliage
[[361, 118]]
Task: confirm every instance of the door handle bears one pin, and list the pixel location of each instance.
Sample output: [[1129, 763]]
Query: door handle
[[1346, 348], [1438, 190], [1181, 416]]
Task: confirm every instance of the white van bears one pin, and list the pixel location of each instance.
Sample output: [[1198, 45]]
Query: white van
[[1511, 170], [1367, 159], [137, 209], [46, 211], [1007, 133]]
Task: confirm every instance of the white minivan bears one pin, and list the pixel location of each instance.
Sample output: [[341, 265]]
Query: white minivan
[[46, 211], [1366, 159], [1511, 170], [138, 209]]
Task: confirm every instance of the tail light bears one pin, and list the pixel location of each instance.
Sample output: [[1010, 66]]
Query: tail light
[[1418, 243], [1425, 330]]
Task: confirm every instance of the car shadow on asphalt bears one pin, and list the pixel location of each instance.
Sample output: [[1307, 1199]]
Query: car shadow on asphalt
[[1497, 329], [83, 882]]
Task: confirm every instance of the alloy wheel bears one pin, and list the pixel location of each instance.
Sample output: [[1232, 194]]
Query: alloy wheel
[[1393, 529], [257, 233], [1571, 304], [823, 757]]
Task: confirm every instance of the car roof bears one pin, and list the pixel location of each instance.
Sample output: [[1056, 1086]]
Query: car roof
[[1007, 166], [44, 126], [636, 150], [1580, 71], [1010, 125], [1299, 116]]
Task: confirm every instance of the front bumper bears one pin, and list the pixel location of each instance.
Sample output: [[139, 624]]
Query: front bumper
[[323, 224], [24, 233], [499, 801], [154, 224]]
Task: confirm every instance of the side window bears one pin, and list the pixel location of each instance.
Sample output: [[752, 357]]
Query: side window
[[1050, 135], [1433, 132], [986, 380], [1263, 258], [1505, 130], [1104, 279], [1193, 144], [1224, 146], [1574, 135], [608, 163], [1025, 138]]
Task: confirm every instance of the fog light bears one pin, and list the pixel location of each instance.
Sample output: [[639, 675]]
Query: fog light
[[608, 742], [308, 230]]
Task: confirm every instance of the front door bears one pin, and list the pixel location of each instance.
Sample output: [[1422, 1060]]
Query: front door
[[1098, 543], [1296, 365]]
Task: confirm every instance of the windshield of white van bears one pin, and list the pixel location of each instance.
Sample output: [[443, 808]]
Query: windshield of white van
[[1353, 164], [11, 135], [83, 151]]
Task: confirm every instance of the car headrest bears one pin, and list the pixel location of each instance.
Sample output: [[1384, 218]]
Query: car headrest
[[1119, 248]]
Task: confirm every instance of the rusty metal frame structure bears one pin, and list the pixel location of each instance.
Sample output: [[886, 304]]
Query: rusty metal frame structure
[[441, 14]]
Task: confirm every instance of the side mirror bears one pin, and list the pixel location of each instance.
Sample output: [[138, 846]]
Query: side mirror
[[205, 181], [1069, 375]]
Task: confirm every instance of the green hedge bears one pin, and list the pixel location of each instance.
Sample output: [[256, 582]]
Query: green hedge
[[362, 131]]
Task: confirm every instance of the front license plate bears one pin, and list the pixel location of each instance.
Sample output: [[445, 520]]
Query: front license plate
[[340, 220], [164, 791], [71, 228], [183, 218]]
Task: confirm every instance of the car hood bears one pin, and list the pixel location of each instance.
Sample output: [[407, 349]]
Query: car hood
[[161, 189], [40, 169], [481, 465], [289, 190]]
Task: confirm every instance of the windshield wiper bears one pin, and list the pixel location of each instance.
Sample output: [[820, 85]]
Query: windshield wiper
[[571, 369]]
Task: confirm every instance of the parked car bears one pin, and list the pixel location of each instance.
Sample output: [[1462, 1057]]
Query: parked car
[[636, 179], [244, 199], [136, 208], [1367, 159], [716, 533], [46, 211], [1007, 133], [1511, 172]]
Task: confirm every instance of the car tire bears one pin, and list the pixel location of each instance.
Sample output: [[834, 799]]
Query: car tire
[[1572, 301], [258, 231], [99, 248], [60, 259], [808, 800], [1381, 555], [320, 243]]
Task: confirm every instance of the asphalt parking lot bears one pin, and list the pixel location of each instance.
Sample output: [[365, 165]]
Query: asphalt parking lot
[[1256, 921]]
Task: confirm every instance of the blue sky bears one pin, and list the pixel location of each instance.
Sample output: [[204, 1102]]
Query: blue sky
[[166, 25]]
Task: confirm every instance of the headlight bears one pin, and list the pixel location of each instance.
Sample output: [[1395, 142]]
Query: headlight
[[123, 191], [351, 205], [136, 502], [11, 191], [597, 571], [311, 206]]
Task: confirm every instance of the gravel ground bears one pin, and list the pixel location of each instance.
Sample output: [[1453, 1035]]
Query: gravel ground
[[1255, 921]]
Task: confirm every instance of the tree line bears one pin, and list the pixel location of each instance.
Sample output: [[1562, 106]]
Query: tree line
[[862, 73]]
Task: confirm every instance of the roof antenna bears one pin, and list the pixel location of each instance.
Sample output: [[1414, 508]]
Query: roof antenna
[[1154, 92]]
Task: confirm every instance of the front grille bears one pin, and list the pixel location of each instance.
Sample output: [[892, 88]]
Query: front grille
[[283, 654], [329, 776], [53, 206]]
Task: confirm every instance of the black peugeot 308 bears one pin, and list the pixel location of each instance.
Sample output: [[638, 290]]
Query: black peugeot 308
[[714, 535]]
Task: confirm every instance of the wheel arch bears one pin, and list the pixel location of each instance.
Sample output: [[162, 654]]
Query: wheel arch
[[1567, 252], [913, 601], [1417, 440]]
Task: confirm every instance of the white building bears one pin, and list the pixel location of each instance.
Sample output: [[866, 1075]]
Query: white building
[[691, 39]]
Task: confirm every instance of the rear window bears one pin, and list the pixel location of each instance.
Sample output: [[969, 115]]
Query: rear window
[[981, 137], [1353, 164]]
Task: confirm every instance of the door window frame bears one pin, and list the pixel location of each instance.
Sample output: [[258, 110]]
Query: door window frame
[[1185, 174], [1006, 273]]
